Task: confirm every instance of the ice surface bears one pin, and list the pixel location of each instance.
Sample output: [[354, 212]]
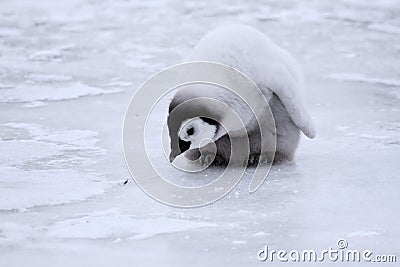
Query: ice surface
[[111, 223], [39, 77], [42, 167], [34, 93], [67, 72], [363, 78]]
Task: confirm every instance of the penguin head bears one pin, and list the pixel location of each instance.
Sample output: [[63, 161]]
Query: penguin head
[[192, 120], [196, 130], [194, 133]]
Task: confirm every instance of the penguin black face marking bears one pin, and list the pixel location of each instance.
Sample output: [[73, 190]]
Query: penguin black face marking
[[183, 145]]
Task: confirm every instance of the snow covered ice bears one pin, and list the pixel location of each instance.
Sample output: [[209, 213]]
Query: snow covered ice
[[67, 72]]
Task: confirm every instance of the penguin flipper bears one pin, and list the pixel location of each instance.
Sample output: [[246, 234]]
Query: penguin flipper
[[288, 91]]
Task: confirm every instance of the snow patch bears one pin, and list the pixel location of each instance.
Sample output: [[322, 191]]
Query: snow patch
[[35, 104], [116, 225], [239, 242], [46, 55], [260, 234], [353, 77], [31, 93], [118, 83], [46, 78], [386, 28], [6, 86], [370, 136], [46, 187], [56, 165], [11, 232], [363, 234]]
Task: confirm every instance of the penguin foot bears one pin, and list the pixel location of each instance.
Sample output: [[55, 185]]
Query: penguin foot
[[206, 159]]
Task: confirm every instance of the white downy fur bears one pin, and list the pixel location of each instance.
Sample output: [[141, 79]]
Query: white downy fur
[[268, 65], [273, 69]]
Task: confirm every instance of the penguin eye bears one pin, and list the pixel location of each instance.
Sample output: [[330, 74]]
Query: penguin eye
[[190, 131]]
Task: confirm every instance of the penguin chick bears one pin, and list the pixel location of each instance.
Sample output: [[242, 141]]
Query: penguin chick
[[197, 131]]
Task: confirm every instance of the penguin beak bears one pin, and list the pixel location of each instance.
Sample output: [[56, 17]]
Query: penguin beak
[[183, 146]]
